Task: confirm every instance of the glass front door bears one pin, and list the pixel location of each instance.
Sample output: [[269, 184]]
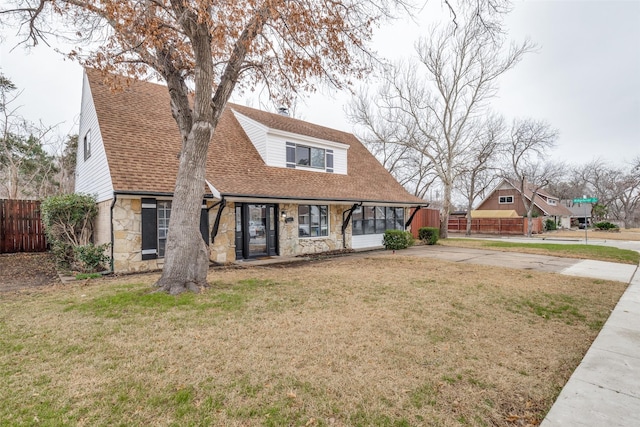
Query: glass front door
[[257, 230], [256, 233]]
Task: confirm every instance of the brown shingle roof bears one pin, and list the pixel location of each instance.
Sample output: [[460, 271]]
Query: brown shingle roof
[[142, 141], [541, 202]]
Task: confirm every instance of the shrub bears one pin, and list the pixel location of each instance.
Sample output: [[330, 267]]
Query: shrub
[[429, 235], [550, 224], [91, 258], [605, 225], [397, 239], [68, 223]]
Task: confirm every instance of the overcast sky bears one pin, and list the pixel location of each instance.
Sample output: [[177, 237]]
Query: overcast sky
[[584, 79]]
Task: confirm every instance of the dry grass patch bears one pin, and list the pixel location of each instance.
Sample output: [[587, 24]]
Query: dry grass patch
[[632, 234], [384, 341]]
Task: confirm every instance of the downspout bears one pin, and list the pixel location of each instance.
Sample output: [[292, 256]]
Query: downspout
[[113, 203], [345, 223], [216, 224]]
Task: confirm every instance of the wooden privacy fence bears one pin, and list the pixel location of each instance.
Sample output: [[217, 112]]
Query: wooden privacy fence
[[425, 218], [517, 226], [21, 228]]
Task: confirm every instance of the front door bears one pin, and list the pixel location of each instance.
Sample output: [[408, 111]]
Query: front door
[[256, 230]]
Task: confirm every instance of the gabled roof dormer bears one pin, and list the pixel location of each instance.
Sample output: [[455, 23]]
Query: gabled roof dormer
[[290, 149]]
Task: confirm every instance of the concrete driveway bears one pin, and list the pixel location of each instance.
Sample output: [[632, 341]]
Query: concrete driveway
[[551, 264]]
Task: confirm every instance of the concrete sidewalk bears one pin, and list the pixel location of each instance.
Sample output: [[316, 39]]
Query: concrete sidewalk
[[604, 390]]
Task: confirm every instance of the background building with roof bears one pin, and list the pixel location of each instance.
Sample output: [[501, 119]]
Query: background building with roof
[[507, 197]]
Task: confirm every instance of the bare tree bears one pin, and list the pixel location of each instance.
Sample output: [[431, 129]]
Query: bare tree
[[574, 184], [438, 100], [385, 136], [480, 171], [617, 189], [28, 170], [527, 150]]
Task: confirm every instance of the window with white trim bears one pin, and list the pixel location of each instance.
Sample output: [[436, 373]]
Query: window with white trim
[[313, 220], [305, 156], [505, 200]]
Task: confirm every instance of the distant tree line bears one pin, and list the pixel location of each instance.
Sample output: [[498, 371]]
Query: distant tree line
[[34, 161]]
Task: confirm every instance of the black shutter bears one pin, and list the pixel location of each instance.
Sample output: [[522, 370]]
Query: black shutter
[[149, 229], [329, 161], [204, 222], [291, 155]]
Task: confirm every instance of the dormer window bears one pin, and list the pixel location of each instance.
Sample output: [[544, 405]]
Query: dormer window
[[310, 156], [305, 156]]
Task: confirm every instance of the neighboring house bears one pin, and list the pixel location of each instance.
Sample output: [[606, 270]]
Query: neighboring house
[[276, 186], [506, 196], [580, 212]]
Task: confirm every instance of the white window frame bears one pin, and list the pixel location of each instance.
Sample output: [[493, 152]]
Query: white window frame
[[163, 209], [506, 200]]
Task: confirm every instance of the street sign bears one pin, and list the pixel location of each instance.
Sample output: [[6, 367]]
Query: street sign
[[587, 200]]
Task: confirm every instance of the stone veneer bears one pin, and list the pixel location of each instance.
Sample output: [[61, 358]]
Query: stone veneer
[[223, 249], [127, 232], [291, 244]]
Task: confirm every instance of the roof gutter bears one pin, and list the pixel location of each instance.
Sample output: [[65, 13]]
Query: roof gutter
[[276, 199]]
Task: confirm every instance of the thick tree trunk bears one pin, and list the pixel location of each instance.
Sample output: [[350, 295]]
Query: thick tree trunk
[[444, 213], [187, 257], [468, 231]]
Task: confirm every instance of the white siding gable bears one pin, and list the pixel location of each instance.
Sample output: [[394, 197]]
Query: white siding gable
[[256, 132], [92, 174], [272, 143]]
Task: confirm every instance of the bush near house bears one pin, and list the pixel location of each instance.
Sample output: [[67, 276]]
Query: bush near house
[[397, 239], [68, 222], [550, 225], [607, 226], [429, 235]]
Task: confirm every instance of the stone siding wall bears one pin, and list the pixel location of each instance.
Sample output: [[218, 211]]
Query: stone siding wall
[[291, 244], [223, 249], [127, 233]]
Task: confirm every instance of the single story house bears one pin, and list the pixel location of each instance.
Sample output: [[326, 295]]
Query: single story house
[[276, 186], [580, 212], [506, 196]]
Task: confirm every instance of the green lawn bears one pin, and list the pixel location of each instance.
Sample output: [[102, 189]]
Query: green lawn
[[382, 341], [595, 252]]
